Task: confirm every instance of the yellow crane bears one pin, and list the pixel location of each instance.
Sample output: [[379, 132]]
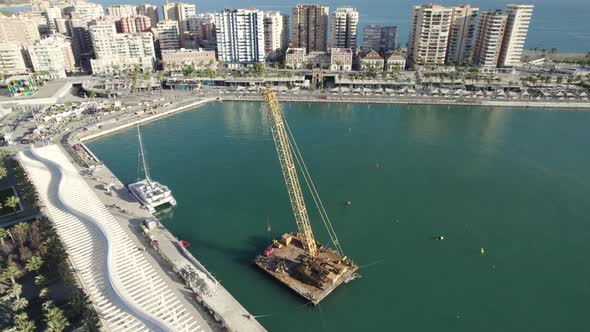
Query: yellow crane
[[281, 139], [297, 260]]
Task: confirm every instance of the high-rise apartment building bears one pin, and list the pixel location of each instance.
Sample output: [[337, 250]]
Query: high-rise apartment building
[[309, 27], [149, 11], [122, 50], [276, 33], [463, 25], [18, 29], [135, 23], [51, 15], [488, 41], [379, 38], [517, 27], [11, 59], [181, 12], [77, 30], [343, 28], [429, 34], [53, 55], [203, 30], [121, 10], [240, 36], [86, 11], [166, 35]]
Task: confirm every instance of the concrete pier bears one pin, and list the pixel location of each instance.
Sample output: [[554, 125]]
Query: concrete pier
[[224, 308]]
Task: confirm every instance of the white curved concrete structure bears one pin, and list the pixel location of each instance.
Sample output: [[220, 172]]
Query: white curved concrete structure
[[125, 289]]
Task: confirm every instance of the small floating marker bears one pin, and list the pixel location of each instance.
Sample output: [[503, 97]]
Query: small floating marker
[[482, 251], [377, 166], [348, 203]]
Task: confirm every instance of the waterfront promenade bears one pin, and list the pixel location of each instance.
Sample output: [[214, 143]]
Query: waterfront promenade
[[223, 308], [130, 285]]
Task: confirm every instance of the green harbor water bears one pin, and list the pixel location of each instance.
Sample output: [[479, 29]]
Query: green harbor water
[[515, 182]]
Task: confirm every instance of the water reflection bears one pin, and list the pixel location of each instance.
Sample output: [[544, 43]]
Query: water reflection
[[244, 120]]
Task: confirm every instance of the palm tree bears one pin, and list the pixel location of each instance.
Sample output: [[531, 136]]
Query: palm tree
[[22, 323], [34, 264], [19, 304], [56, 320], [20, 230], [159, 77], [15, 291], [43, 293], [3, 233], [39, 280], [12, 272]]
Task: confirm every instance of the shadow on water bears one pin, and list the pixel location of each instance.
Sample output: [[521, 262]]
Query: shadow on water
[[243, 256]]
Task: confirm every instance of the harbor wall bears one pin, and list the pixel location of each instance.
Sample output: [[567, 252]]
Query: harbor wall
[[146, 119]]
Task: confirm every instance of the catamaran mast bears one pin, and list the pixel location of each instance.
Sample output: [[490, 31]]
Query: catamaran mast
[[141, 154]]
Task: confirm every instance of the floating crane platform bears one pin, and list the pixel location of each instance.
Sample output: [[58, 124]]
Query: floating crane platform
[[312, 278]]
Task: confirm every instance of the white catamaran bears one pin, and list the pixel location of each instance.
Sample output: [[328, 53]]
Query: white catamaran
[[150, 193]]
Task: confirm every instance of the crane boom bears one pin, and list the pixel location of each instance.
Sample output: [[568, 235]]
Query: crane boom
[[283, 147]]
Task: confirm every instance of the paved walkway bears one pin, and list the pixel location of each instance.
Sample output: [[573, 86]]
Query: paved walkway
[[127, 291]]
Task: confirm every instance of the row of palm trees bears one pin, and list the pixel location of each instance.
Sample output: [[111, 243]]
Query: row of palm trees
[[33, 253], [35, 243]]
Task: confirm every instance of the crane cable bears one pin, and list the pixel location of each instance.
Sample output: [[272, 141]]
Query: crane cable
[[314, 193]]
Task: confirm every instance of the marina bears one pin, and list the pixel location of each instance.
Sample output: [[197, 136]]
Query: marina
[[430, 160]]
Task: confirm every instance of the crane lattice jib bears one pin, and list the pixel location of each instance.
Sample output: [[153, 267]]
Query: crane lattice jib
[[285, 154]]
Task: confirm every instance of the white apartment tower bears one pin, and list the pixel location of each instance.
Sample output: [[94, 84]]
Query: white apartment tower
[[181, 12], [11, 59], [86, 11], [51, 15], [121, 10], [53, 55], [463, 25], [123, 50], [276, 33], [240, 36], [488, 41], [517, 27], [429, 34], [343, 28], [18, 29]]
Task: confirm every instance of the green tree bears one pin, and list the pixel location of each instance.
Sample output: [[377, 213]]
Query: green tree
[[22, 323], [34, 264], [12, 272], [553, 51], [20, 230], [92, 94], [56, 320], [3, 171], [3, 233]]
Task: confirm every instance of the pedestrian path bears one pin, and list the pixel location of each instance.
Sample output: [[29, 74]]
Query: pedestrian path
[[126, 291]]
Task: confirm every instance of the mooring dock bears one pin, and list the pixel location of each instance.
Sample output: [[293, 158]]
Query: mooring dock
[[287, 258]]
